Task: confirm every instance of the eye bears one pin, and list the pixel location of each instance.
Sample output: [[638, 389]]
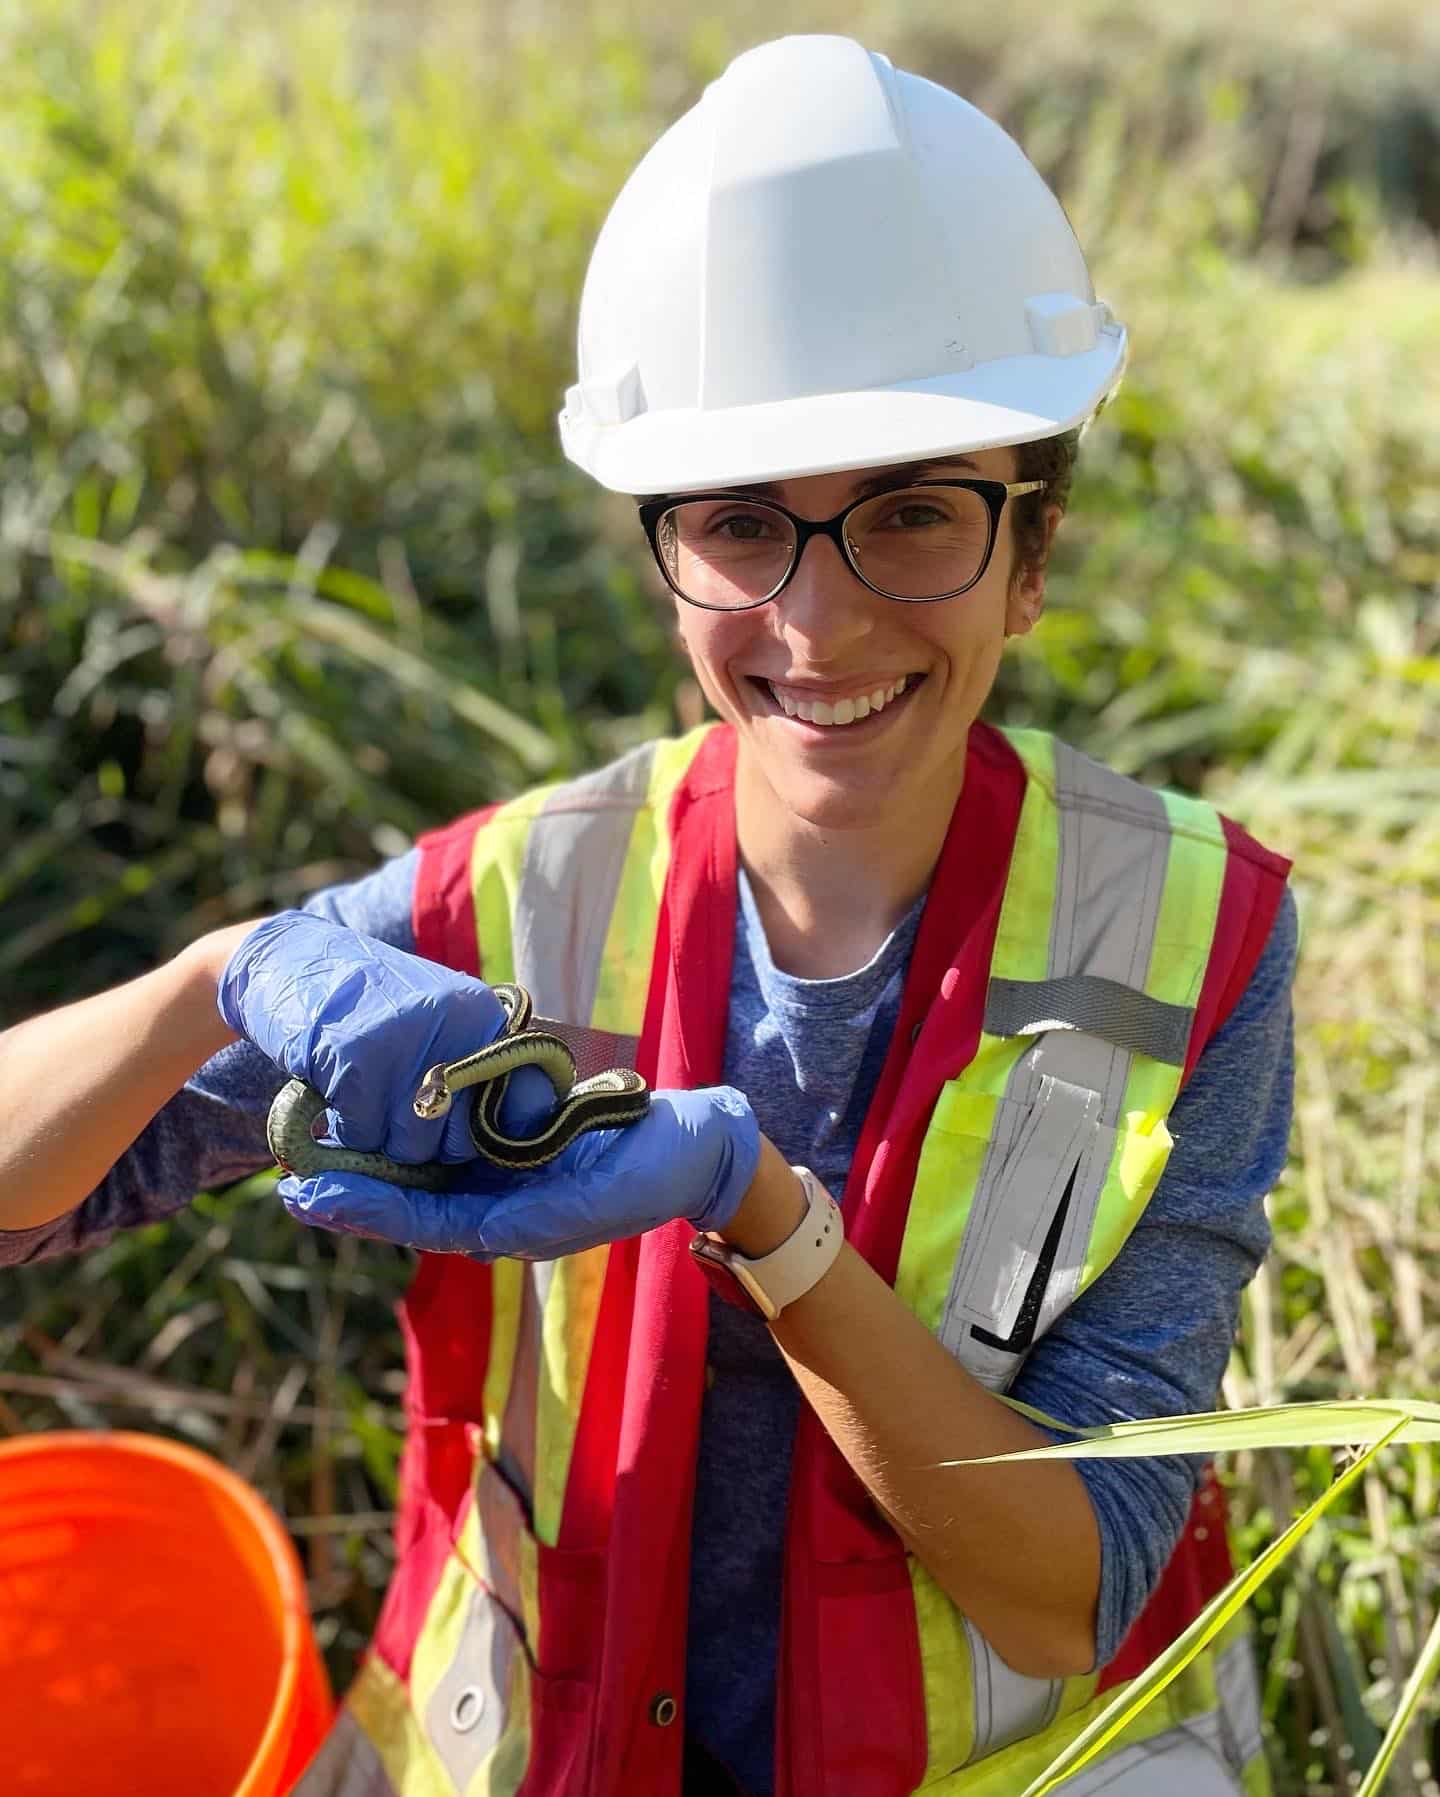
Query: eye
[[915, 514], [907, 511], [741, 527]]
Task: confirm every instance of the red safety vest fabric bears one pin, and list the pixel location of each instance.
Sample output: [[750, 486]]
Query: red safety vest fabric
[[851, 1715]]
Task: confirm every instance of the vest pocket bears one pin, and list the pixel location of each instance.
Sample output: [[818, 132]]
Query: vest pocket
[[1032, 1208], [554, 1594], [1023, 1195]]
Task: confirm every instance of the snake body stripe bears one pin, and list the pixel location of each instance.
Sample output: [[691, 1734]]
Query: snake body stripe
[[608, 1100]]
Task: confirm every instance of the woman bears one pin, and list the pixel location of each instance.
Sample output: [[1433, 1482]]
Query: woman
[[915, 1000]]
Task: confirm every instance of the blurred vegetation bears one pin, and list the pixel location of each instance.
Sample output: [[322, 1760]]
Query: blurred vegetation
[[291, 567]]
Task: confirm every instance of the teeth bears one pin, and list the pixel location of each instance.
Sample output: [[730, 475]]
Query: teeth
[[843, 711]]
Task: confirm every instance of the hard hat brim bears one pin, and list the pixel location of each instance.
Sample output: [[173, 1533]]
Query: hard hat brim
[[1015, 400]]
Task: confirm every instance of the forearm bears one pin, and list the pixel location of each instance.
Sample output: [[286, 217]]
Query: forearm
[[1016, 1547], [79, 1084]]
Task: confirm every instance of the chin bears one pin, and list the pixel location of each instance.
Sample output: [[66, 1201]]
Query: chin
[[827, 804]]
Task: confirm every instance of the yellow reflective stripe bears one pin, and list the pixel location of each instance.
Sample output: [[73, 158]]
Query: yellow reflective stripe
[[946, 1675], [496, 858], [951, 1157], [1191, 902], [1142, 1147], [567, 1334], [1022, 941], [380, 1703], [506, 1277], [1255, 1777], [530, 1589], [624, 981]]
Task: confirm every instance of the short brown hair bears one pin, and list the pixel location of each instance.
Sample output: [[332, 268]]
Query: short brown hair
[[1051, 459]]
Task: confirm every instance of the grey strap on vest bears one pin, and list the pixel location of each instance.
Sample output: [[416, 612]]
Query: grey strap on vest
[[1100, 1007]]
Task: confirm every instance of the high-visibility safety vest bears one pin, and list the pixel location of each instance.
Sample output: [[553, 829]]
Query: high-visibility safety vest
[[1082, 939]]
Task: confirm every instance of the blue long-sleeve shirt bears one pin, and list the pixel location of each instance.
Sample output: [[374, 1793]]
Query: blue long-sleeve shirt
[[1150, 1337]]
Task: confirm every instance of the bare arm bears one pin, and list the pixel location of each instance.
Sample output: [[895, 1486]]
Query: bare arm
[[79, 1084], [1017, 1547]]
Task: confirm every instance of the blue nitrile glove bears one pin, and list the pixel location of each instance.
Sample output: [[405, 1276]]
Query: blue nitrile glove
[[694, 1155], [363, 1023]]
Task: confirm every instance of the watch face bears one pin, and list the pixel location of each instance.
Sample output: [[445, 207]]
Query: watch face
[[710, 1258]]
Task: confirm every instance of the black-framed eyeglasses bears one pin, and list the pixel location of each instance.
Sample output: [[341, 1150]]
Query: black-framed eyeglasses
[[933, 540]]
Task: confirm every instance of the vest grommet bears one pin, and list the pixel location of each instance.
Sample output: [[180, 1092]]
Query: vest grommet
[[467, 1709], [663, 1709]]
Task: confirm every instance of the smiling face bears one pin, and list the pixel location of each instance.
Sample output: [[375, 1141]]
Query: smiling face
[[852, 709]]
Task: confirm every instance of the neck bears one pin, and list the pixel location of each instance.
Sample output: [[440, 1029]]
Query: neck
[[829, 897]]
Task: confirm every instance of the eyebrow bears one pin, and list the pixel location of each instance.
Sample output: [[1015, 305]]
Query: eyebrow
[[877, 483]]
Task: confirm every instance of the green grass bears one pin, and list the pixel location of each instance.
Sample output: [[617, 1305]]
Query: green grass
[[290, 567]]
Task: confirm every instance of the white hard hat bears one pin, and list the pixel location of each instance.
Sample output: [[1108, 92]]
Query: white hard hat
[[828, 263]]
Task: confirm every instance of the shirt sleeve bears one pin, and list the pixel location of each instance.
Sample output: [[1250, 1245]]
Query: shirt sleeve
[[1152, 1335], [212, 1132]]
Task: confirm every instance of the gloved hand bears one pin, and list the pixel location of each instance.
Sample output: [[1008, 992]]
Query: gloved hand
[[694, 1155], [363, 1022]]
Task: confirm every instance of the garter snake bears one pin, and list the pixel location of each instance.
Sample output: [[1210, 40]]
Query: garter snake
[[606, 1100]]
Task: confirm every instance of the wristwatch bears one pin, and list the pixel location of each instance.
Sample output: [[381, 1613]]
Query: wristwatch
[[764, 1286]]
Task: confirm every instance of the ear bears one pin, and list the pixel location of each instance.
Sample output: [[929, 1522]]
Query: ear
[[1026, 599]]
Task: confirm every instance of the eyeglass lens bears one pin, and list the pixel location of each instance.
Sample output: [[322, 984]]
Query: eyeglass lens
[[917, 543]]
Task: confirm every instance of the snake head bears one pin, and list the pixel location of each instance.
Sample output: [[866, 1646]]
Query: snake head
[[433, 1098]]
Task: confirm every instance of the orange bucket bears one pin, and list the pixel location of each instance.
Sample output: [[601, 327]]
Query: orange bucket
[[154, 1634]]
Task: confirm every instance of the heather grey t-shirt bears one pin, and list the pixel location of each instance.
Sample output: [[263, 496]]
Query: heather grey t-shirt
[[1150, 1337]]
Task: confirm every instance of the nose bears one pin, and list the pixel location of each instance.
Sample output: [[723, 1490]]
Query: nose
[[825, 610]]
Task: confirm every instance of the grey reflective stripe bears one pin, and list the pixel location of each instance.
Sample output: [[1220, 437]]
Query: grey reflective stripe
[[1008, 1706], [469, 1707], [1238, 1686], [347, 1765], [1185, 1761], [1114, 851], [569, 879], [1098, 1006]]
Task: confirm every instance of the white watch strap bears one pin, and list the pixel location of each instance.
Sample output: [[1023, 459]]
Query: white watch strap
[[787, 1272]]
